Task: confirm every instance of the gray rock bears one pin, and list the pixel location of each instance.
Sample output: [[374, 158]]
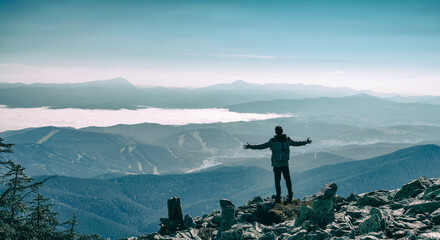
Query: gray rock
[[371, 224], [355, 212], [341, 238], [429, 236], [352, 198], [433, 191], [410, 235], [337, 232], [241, 232], [433, 195], [328, 191], [424, 207], [323, 211], [228, 214], [188, 222], [254, 201], [190, 234], [175, 210], [304, 214], [374, 199], [368, 237], [248, 217], [376, 211], [268, 213], [399, 234], [412, 189], [435, 217], [300, 235], [318, 234], [169, 224], [289, 225], [268, 236]]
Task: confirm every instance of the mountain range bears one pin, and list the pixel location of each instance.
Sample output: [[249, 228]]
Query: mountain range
[[159, 149], [117, 179], [357, 109], [130, 205], [69, 152], [119, 93]]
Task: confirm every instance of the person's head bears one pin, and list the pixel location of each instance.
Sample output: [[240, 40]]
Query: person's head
[[279, 130]]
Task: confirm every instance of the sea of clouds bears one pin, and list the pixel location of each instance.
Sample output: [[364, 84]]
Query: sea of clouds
[[20, 118]]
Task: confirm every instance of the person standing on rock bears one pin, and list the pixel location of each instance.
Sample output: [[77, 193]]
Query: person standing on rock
[[279, 145]]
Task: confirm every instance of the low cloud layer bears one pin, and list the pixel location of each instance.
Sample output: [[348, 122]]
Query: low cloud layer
[[20, 118]]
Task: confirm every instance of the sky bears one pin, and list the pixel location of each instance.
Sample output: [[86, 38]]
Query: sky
[[384, 46]]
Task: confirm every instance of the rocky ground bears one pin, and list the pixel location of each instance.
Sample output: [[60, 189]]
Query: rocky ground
[[411, 212]]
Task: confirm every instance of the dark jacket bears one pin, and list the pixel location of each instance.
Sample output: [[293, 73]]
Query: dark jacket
[[270, 144]]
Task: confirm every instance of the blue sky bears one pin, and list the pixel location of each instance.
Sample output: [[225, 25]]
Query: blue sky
[[385, 46]]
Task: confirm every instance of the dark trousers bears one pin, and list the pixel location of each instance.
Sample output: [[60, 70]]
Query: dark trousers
[[277, 172]]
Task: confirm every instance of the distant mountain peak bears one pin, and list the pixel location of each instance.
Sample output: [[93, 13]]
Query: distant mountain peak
[[363, 96], [239, 82], [115, 82]]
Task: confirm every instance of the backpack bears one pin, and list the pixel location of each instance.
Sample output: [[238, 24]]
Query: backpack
[[280, 150]]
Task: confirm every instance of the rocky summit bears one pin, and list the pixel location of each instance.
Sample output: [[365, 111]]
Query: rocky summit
[[411, 212]]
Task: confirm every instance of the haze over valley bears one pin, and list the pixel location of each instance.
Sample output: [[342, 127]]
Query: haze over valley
[[96, 145]]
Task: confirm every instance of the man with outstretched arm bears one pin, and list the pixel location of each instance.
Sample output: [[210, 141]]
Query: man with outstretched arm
[[279, 145]]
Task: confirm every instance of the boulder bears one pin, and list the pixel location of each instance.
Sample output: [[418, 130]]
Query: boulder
[[328, 191], [433, 191], [429, 236], [254, 201], [304, 214], [412, 189], [355, 212], [190, 234], [175, 210], [371, 224], [188, 222], [300, 235], [432, 195], [424, 207], [376, 211], [248, 217], [399, 234], [268, 236], [352, 198], [435, 217], [241, 232], [374, 199], [170, 225], [269, 213], [323, 211], [335, 230], [318, 234], [228, 214]]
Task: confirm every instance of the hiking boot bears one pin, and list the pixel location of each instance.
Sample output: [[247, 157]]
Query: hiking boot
[[278, 199], [289, 198]]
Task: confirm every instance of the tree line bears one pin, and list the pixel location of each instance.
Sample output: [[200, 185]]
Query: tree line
[[24, 212]]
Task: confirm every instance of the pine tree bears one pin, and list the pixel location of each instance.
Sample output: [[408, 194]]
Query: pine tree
[[41, 217], [5, 147], [71, 226], [40, 220], [18, 187]]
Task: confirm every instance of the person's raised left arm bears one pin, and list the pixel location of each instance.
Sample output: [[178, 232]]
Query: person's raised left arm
[[258, 146]]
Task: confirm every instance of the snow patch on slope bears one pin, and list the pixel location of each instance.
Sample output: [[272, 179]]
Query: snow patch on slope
[[45, 138]]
